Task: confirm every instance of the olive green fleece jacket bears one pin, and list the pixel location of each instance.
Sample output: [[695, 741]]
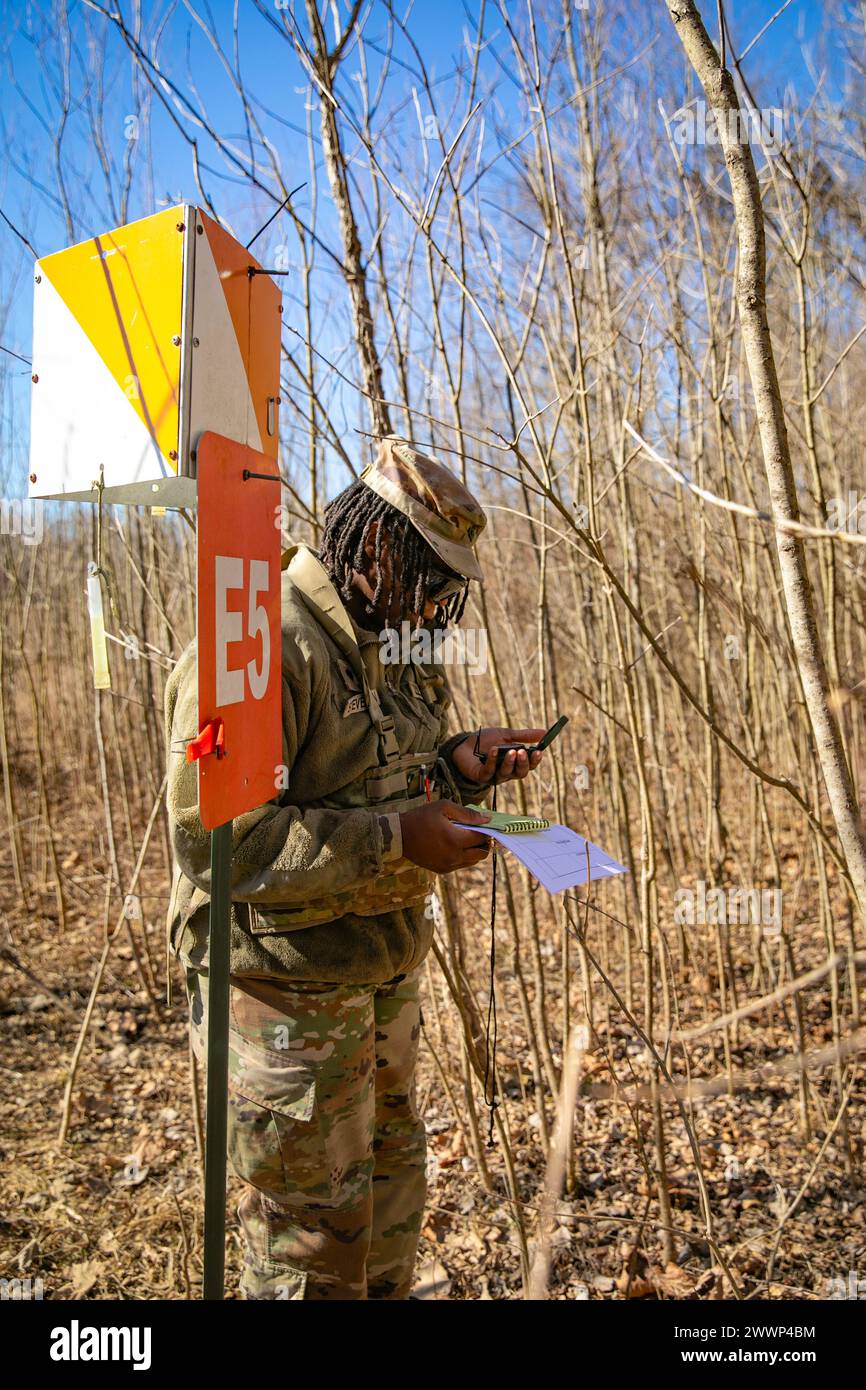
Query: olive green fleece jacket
[[319, 838]]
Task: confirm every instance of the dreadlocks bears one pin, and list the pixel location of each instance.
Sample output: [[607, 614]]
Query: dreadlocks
[[347, 525]]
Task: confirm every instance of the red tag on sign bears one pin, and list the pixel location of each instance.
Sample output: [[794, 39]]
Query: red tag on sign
[[210, 740], [239, 641]]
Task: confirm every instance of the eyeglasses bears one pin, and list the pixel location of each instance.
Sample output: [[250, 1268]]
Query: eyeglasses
[[443, 584]]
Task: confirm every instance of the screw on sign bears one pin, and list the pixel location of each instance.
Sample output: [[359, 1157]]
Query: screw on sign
[[240, 740]]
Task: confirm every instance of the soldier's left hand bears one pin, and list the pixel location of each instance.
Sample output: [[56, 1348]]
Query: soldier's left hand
[[513, 766]]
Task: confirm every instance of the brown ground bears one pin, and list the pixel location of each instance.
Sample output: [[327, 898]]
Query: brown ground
[[115, 1211]]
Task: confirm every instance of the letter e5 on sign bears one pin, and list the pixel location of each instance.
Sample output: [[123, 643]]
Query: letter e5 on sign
[[239, 644]]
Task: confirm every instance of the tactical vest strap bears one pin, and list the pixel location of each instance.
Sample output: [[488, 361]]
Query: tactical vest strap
[[404, 775], [384, 723], [314, 583]]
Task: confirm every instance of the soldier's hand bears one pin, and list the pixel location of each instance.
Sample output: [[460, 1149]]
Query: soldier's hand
[[432, 840], [500, 764]]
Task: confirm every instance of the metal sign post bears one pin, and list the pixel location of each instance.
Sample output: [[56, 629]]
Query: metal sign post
[[239, 745]]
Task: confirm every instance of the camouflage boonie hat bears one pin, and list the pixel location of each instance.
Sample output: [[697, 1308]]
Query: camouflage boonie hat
[[438, 505]]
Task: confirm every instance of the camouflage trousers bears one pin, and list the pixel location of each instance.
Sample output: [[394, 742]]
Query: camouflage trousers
[[324, 1130]]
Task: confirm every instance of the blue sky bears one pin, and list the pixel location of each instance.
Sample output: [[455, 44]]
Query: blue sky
[[272, 73]]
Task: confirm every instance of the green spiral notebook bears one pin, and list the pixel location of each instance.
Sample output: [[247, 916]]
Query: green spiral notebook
[[511, 825]]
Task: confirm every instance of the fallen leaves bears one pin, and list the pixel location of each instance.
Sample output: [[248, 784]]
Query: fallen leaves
[[432, 1281], [83, 1276], [653, 1281]]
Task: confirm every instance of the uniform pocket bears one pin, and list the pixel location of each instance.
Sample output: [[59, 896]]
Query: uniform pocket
[[271, 1278], [273, 922], [286, 1085], [276, 1141]]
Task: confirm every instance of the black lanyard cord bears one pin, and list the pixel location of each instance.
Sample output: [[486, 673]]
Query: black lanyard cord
[[490, 1053]]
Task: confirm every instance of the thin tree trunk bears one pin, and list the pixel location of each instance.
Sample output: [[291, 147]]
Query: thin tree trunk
[[324, 67], [720, 91]]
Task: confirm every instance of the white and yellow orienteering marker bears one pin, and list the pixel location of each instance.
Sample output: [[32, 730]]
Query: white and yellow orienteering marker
[[144, 337]]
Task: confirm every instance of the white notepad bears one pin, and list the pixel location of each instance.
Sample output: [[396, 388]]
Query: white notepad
[[559, 858]]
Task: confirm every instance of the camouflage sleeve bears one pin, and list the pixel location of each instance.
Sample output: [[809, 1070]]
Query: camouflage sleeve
[[281, 854], [392, 837], [465, 790]]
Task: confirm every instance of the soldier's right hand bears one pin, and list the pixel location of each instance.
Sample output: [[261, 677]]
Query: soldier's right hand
[[432, 840]]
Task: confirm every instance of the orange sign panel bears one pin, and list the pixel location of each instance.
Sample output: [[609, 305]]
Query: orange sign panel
[[239, 631]]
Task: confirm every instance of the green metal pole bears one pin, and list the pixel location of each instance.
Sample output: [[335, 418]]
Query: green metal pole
[[217, 1063]]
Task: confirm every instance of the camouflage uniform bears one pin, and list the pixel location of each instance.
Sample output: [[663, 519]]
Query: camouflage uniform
[[328, 927], [324, 1129]]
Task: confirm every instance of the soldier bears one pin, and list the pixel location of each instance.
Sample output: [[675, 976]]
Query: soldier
[[329, 884]]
